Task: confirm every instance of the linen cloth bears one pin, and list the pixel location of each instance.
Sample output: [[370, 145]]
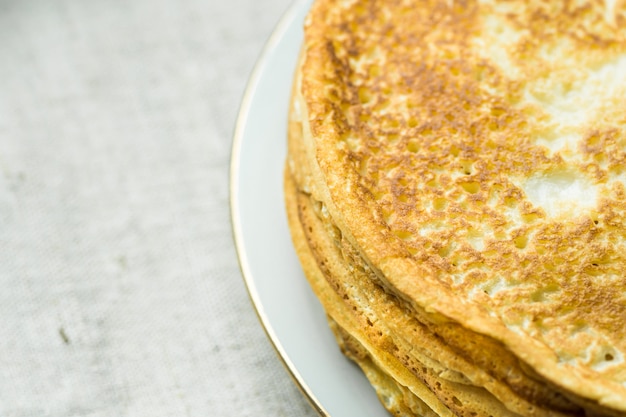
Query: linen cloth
[[120, 290]]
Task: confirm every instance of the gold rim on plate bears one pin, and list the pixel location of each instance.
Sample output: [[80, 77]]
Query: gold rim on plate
[[279, 31]]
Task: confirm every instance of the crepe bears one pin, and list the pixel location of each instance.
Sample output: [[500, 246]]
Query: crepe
[[465, 164]]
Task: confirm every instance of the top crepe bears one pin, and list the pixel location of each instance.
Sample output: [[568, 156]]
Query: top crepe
[[473, 153]]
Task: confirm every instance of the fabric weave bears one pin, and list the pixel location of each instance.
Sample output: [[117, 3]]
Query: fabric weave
[[121, 292]]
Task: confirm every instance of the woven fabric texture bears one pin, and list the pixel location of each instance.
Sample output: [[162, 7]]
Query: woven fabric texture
[[121, 291]]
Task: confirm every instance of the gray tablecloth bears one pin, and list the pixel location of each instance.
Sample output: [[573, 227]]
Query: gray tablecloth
[[120, 292]]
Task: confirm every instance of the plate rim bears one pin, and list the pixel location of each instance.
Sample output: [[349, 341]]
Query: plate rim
[[286, 20]]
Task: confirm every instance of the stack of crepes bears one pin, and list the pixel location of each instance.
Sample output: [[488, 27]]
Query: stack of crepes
[[455, 188]]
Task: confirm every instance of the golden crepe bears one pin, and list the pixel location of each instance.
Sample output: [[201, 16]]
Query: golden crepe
[[455, 190]]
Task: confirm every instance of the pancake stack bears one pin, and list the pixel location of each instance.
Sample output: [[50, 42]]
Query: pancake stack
[[455, 188]]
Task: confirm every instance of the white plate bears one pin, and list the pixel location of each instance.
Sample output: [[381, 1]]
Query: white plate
[[291, 315]]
